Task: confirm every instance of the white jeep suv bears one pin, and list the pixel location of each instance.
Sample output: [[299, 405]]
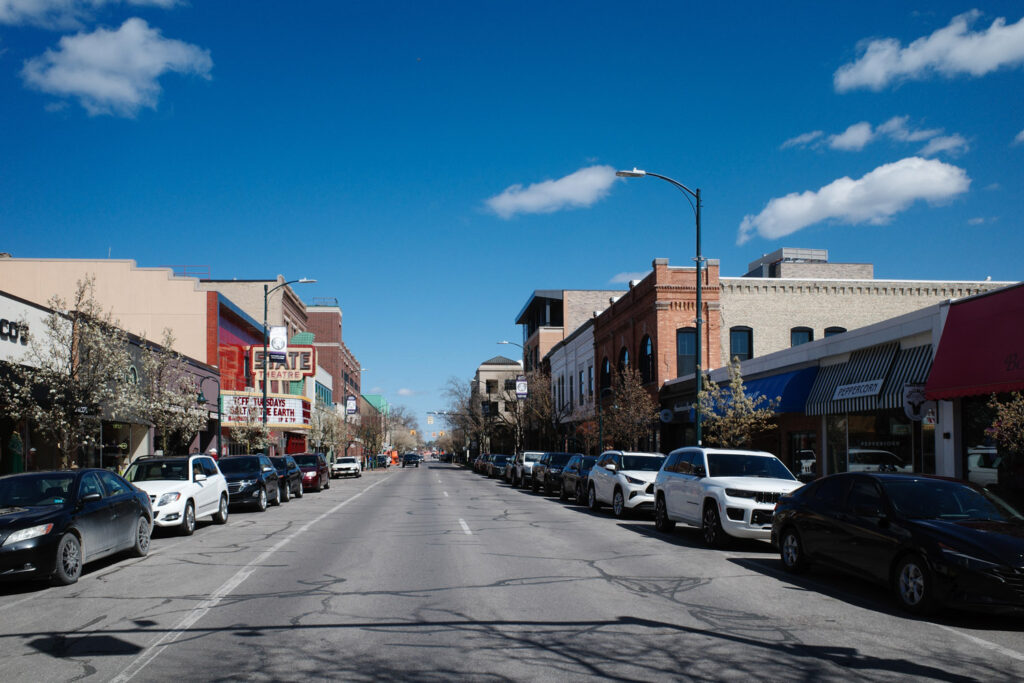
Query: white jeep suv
[[346, 466], [181, 489], [624, 480], [725, 492]]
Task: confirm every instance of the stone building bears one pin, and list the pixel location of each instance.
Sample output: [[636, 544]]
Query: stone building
[[550, 315]]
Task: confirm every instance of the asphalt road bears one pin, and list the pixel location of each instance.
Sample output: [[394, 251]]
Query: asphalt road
[[435, 573]]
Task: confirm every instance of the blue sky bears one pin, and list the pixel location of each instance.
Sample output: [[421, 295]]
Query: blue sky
[[431, 164]]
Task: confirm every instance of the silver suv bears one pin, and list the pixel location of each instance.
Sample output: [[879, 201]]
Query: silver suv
[[523, 473]]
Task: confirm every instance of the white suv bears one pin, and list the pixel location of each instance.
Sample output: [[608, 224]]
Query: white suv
[[346, 466], [722, 491], [181, 489], [524, 467], [624, 480]]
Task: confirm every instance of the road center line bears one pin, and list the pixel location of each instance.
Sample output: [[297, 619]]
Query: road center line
[[200, 610], [1005, 651], [445, 494], [465, 527]]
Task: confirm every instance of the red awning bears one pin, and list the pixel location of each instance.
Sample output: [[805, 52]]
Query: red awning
[[982, 347]]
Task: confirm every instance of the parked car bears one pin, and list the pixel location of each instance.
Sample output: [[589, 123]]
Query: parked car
[[547, 472], [524, 467], [624, 480], [290, 476], [346, 466], [480, 463], [725, 492], [181, 489], [872, 460], [53, 523], [315, 475], [411, 460], [252, 480], [496, 466], [934, 541], [983, 465], [574, 478]]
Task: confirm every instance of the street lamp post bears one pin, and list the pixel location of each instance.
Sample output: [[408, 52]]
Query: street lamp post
[[637, 173], [202, 399], [267, 291]]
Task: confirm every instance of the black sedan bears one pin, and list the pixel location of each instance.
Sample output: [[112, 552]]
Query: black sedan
[[289, 476], [574, 478], [52, 523], [252, 480], [935, 541]]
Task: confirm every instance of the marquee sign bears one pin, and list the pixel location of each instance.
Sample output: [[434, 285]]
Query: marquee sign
[[284, 411], [299, 362]]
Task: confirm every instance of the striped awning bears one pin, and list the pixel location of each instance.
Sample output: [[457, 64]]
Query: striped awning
[[910, 367], [865, 365]]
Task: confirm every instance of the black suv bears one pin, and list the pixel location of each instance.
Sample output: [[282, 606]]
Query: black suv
[[252, 480], [547, 472], [290, 475], [411, 460]]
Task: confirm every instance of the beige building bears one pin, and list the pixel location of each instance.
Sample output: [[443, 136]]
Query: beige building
[[283, 306], [550, 315]]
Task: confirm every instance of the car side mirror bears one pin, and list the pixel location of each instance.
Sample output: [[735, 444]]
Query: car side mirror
[[610, 467], [698, 471], [267, 468], [200, 477], [91, 498]]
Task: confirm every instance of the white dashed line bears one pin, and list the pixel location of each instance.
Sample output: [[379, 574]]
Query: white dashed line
[[465, 527], [445, 494]]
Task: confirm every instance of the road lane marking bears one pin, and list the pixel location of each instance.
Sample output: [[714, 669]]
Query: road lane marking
[[1005, 651], [465, 527], [445, 494], [200, 610]]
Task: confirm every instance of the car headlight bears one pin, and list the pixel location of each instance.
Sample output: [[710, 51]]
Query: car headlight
[[246, 482], [309, 475], [25, 534], [967, 561], [740, 493], [168, 498], [634, 480]]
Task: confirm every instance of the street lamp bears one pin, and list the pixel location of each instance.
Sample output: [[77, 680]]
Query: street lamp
[[637, 173], [202, 400], [267, 291]]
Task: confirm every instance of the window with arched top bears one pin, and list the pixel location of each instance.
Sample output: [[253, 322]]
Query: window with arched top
[[606, 374], [741, 342], [833, 331], [686, 351], [623, 359], [646, 360], [800, 335]]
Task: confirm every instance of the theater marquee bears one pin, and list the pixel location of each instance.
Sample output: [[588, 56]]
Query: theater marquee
[[299, 363], [284, 411]]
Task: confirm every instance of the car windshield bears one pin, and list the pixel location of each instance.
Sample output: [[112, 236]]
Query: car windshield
[[530, 457], [279, 463], [588, 462], [158, 470], [500, 459], [306, 460], [642, 463], [346, 460], [239, 465], [747, 465], [27, 490], [937, 499]]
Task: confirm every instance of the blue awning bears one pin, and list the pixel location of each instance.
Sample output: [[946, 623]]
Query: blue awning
[[792, 387]]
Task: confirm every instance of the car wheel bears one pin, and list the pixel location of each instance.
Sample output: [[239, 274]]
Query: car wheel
[[222, 511], [618, 504], [298, 490], [188, 520], [327, 483], [711, 525], [261, 500], [580, 500], [661, 521], [791, 550], [284, 493], [69, 560], [319, 486], [914, 587], [143, 532], [592, 501]]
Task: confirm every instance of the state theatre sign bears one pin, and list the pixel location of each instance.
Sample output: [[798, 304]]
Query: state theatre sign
[[299, 363], [284, 411]]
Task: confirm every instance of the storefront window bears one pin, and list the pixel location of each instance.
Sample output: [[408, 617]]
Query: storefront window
[[803, 449], [984, 463], [879, 441]]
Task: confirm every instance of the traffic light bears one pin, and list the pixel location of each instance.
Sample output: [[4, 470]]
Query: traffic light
[[412, 432]]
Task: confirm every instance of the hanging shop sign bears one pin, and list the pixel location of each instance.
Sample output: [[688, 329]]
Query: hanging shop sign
[[283, 410], [299, 362], [870, 388], [351, 406]]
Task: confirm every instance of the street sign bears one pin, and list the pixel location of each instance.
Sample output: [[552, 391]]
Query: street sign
[[350, 404], [521, 388], [430, 419]]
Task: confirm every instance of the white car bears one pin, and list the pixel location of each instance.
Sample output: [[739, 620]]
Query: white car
[[346, 466], [181, 489], [624, 480], [725, 492], [524, 467]]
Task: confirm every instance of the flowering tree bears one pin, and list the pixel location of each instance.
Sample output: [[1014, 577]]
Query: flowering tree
[[1008, 426], [73, 374], [730, 417], [167, 395], [248, 430]]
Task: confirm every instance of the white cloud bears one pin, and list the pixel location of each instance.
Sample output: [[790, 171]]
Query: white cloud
[[949, 51], [853, 138], [114, 72], [579, 189], [896, 128], [1019, 139], [950, 144], [622, 278], [976, 221], [63, 14], [406, 392], [875, 198], [802, 140]]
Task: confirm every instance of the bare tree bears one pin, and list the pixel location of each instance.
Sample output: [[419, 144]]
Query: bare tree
[[167, 395], [74, 372], [587, 434], [405, 431], [322, 426], [372, 435], [543, 414], [731, 418], [632, 411]]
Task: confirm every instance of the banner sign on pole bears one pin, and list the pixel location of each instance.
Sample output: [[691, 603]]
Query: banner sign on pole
[[521, 387], [350, 404], [278, 344]]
